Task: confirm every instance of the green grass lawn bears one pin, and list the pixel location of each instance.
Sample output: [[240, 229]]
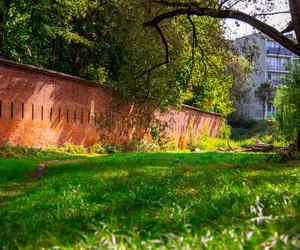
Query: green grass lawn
[[153, 200]]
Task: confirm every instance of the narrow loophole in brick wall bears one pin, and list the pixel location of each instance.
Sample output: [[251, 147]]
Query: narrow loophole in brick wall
[[22, 110], [67, 115], [32, 111], [81, 117], [51, 114], [0, 109], [89, 116], [75, 115], [42, 113], [12, 110], [59, 114], [95, 120]]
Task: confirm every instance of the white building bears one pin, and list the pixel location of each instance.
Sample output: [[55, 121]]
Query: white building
[[270, 60]]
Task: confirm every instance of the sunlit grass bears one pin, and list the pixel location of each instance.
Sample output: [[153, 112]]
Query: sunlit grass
[[157, 200]]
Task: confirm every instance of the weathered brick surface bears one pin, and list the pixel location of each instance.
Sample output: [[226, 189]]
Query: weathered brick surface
[[42, 108]]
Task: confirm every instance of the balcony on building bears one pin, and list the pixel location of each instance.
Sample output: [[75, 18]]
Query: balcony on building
[[279, 51]]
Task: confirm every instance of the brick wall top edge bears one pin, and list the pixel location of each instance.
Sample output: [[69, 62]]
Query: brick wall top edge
[[48, 72], [43, 71], [202, 111]]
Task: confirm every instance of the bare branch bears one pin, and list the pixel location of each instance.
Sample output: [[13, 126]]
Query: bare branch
[[193, 47], [196, 44], [272, 13]]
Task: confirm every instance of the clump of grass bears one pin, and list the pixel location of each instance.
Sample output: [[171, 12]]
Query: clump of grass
[[17, 152]]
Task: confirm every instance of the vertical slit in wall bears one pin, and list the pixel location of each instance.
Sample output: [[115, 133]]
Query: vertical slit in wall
[[67, 115], [89, 116], [59, 114], [0, 109], [75, 116], [12, 110], [42, 113], [81, 117], [32, 111], [95, 120], [22, 110], [51, 114]]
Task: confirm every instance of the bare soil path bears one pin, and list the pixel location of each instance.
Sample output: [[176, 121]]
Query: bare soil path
[[38, 172]]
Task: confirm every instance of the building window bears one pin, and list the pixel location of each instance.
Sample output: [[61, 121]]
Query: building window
[[275, 63], [269, 76]]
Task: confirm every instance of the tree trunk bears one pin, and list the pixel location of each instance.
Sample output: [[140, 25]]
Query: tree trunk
[[295, 12]]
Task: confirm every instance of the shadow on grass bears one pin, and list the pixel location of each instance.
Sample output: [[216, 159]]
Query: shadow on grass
[[151, 195]]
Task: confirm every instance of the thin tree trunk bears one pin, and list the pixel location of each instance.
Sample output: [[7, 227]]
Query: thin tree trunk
[[264, 111], [298, 140]]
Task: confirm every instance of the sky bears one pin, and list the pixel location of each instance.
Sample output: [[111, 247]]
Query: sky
[[278, 21]]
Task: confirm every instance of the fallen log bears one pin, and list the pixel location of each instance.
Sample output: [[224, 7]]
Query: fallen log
[[259, 146]]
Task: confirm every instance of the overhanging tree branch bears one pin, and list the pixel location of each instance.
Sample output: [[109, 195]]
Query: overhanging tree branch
[[196, 9]]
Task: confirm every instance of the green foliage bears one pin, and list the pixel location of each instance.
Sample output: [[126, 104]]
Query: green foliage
[[243, 122], [265, 94], [287, 103], [7, 151], [224, 130], [112, 148], [65, 151], [105, 41], [97, 149], [153, 201], [248, 131], [145, 146], [72, 149]]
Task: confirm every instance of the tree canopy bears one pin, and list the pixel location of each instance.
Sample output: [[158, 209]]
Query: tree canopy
[[105, 41]]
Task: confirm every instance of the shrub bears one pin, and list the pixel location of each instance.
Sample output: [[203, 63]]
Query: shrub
[[146, 146], [112, 148], [287, 103], [72, 149], [225, 130], [195, 140], [242, 122], [168, 143], [97, 149]]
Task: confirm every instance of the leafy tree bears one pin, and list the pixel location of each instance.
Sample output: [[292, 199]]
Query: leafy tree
[[106, 42], [265, 94], [242, 85], [287, 103]]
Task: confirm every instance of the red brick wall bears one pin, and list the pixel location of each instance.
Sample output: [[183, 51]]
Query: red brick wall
[[40, 108]]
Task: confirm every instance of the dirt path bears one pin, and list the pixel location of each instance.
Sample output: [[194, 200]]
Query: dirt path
[[38, 172]]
